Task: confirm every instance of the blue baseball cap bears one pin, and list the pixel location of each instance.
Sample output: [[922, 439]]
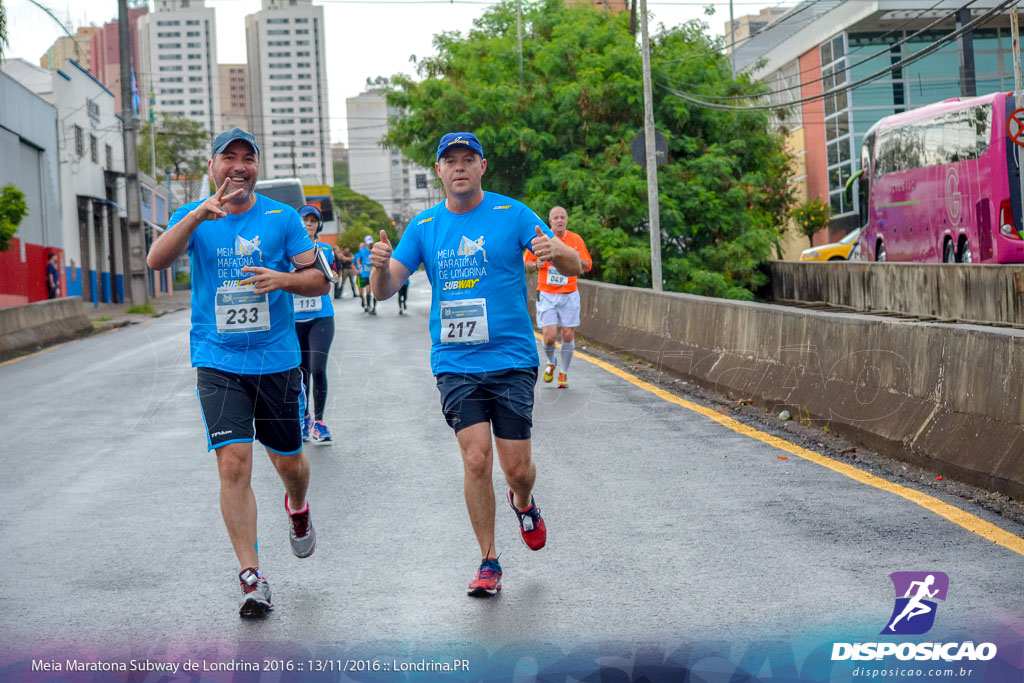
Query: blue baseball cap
[[229, 136], [308, 209], [450, 140]]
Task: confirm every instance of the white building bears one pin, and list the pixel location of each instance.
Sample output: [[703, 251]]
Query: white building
[[178, 57], [91, 195], [384, 175], [287, 90]]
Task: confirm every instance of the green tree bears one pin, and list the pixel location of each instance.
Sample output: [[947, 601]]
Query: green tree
[[12, 209], [811, 216], [563, 138], [182, 147], [359, 216], [3, 30]]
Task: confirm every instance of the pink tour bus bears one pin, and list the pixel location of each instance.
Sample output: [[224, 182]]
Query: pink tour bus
[[940, 184]]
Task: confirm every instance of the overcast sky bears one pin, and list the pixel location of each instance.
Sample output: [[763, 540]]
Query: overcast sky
[[366, 38]]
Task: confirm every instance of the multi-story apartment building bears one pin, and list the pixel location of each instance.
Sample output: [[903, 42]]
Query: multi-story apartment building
[[287, 90], [105, 56], [233, 106], [384, 175], [66, 47], [743, 27], [179, 60]]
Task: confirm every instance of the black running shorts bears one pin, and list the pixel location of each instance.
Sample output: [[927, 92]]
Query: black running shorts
[[237, 408], [504, 398]]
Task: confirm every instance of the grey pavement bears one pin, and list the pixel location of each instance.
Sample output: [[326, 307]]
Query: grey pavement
[[665, 528]]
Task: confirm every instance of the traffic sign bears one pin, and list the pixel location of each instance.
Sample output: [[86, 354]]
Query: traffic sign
[[1015, 127], [638, 148]]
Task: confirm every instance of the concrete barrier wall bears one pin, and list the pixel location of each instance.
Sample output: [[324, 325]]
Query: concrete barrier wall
[[946, 397], [41, 322], [993, 294]]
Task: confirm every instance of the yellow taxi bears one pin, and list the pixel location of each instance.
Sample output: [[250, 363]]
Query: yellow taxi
[[837, 251]]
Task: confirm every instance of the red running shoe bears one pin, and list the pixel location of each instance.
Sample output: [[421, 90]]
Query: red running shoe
[[488, 579], [531, 524]]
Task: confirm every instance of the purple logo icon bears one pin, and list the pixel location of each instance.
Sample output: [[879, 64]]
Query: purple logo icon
[[916, 592]]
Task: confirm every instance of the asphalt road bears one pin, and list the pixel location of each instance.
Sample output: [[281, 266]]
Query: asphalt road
[[665, 529]]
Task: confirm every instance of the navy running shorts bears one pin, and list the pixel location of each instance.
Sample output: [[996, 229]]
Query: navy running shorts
[[503, 397], [238, 408]]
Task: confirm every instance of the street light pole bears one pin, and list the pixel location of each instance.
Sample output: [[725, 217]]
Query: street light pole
[[138, 289], [519, 34], [652, 158]]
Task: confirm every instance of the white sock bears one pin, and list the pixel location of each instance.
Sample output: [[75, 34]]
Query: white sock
[[567, 349], [549, 351], [294, 511]]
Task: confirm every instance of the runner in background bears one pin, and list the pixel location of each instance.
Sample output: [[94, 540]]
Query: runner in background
[[363, 266], [558, 298], [314, 325]]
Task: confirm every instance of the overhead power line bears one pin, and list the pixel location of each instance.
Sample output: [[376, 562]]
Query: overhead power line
[[920, 54], [882, 53]]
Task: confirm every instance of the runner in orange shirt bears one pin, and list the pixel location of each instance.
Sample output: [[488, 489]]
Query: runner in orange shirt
[[558, 299]]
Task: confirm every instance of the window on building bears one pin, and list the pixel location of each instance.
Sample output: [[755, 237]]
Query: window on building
[[79, 141], [421, 181], [94, 151], [110, 157], [839, 141]]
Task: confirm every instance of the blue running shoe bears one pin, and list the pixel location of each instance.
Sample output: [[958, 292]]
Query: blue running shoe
[[321, 434], [488, 579], [307, 425]]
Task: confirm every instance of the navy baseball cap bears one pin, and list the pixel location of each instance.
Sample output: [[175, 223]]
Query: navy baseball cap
[[450, 140], [229, 136]]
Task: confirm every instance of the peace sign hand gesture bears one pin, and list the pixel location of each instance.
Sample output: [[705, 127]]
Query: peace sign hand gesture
[[212, 208]]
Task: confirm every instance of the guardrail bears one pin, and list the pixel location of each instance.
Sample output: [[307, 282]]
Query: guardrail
[[965, 293], [40, 323]]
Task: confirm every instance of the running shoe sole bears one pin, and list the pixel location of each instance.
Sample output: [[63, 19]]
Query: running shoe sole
[[483, 592], [254, 609]]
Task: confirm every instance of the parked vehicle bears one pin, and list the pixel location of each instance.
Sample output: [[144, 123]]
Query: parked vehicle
[[836, 251], [941, 184], [286, 190]]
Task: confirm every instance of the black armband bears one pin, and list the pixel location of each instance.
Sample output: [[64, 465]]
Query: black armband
[[322, 264]]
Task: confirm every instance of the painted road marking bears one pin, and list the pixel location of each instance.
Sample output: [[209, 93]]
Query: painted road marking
[[952, 513]]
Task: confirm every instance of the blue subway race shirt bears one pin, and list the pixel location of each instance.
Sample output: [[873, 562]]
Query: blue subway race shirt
[[363, 259], [474, 262], [268, 235], [326, 305]]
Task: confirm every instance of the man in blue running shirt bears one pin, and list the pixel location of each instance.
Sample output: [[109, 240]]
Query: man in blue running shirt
[[243, 343], [483, 355], [362, 263]]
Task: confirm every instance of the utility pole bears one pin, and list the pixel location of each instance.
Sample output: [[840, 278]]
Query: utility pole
[[652, 157], [519, 33], [732, 41], [295, 170], [138, 287]]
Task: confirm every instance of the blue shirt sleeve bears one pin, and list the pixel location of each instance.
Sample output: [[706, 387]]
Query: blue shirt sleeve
[[409, 251], [180, 213], [528, 221]]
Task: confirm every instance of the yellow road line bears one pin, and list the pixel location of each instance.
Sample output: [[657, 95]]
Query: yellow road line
[[952, 513]]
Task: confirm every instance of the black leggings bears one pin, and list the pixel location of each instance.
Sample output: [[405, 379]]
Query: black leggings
[[315, 337]]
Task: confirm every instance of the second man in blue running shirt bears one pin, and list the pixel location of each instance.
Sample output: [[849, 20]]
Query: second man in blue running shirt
[[483, 353]]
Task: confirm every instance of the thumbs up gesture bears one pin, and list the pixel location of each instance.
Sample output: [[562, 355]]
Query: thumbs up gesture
[[541, 246], [380, 255]]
